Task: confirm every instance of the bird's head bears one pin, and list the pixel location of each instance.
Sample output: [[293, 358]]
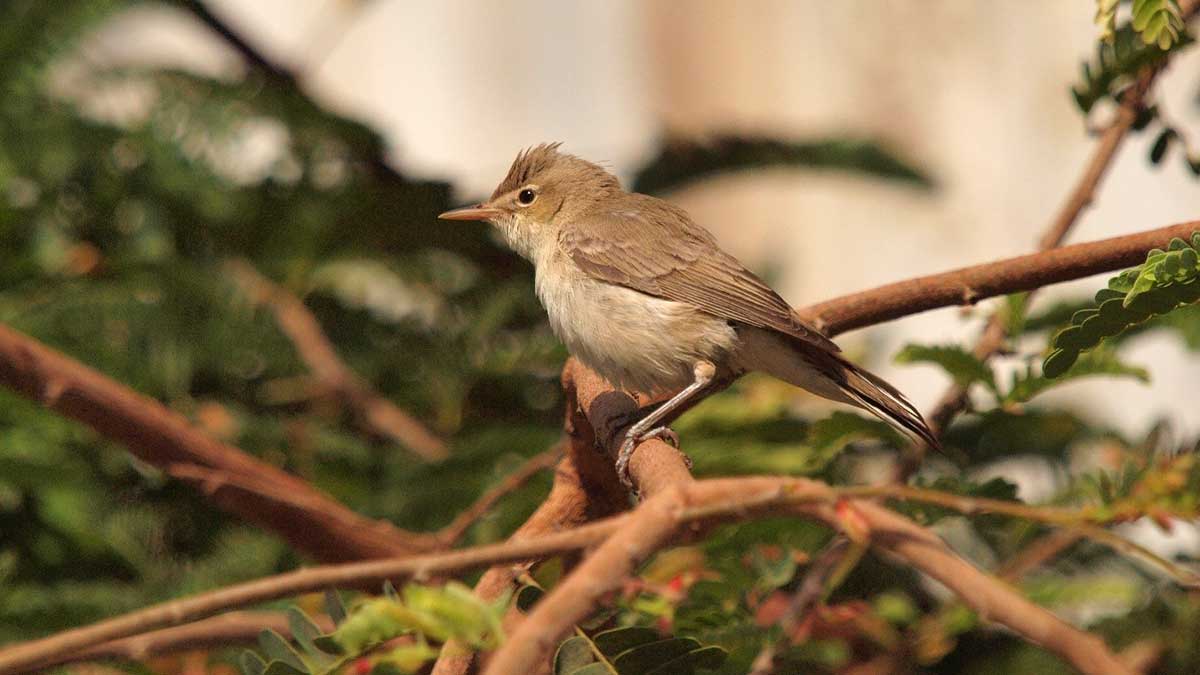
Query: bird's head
[[543, 190]]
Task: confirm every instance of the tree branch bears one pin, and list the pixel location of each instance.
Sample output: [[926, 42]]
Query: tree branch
[[969, 285], [994, 334], [310, 520], [450, 534], [217, 632], [663, 515], [376, 413], [674, 507], [661, 475]]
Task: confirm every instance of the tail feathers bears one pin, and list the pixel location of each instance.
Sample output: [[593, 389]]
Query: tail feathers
[[826, 373], [885, 401]]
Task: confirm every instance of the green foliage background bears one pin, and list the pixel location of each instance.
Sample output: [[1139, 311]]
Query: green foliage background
[[113, 237]]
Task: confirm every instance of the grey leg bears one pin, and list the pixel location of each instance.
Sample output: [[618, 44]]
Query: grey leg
[[703, 372]]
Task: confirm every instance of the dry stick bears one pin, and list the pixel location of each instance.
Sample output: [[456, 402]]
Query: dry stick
[[450, 534], [310, 520], [376, 413], [219, 631]]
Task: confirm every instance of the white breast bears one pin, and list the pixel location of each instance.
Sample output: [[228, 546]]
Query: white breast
[[636, 341]]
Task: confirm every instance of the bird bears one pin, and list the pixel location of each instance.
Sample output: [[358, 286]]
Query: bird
[[645, 297]]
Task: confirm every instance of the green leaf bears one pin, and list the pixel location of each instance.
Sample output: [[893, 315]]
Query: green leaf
[[644, 658], [283, 668], [1118, 60], [618, 640], [334, 606], [574, 654], [279, 650], [1161, 144], [683, 161], [1168, 280], [1100, 362], [251, 663], [527, 597], [707, 658], [1159, 22], [407, 658], [963, 366], [829, 436], [305, 632]]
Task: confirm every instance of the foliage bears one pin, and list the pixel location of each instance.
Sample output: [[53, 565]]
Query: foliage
[[364, 634], [966, 369], [681, 161], [634, 651], [1167, 280], [115, 233]]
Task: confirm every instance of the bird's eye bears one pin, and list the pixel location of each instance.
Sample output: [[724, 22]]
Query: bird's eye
[[526, 196]]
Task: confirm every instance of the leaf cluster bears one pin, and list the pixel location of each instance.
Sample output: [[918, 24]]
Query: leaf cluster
[[1167, 280], [364, 634]]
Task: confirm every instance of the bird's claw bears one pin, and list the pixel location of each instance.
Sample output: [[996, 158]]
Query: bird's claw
[[630, 444]]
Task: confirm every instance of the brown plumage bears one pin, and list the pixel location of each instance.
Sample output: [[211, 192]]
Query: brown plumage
[[646, 297]]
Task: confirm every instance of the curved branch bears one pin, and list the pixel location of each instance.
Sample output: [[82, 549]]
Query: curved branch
[[969, 285], [310, 520]]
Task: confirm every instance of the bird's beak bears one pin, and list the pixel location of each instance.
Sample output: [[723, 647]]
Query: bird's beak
[[477, 212]]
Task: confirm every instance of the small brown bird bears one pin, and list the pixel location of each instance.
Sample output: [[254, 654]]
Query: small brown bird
[[645, 297]]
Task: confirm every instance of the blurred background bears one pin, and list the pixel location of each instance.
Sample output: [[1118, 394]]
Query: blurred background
[[974, 95], [147, 146]]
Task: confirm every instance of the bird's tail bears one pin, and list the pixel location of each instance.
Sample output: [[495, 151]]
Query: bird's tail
[[885, 401], [827, 373]]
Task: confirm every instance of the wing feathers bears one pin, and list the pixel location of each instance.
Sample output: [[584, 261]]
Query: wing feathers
[[653, 247]]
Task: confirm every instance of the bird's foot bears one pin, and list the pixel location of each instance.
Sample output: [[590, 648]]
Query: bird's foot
[[630, 444]]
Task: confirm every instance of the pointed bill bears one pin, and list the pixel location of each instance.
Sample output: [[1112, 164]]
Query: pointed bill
[[477, 212]]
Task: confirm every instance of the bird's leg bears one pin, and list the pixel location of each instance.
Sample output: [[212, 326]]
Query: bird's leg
[[703, 372]]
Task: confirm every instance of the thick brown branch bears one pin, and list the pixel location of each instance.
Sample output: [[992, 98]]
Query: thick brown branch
[[308, 519], [968, 285], [585, 488], [376, 413]]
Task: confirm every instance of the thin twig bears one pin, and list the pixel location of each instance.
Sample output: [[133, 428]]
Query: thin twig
[[376, 413], [813, 588], [994, 335], [1036, 554], [450, 534]]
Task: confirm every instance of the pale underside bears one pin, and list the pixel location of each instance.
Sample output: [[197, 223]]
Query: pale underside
[[648, 344]]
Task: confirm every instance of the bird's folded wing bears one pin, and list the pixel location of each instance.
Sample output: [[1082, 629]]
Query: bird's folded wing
[[637, 247]]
